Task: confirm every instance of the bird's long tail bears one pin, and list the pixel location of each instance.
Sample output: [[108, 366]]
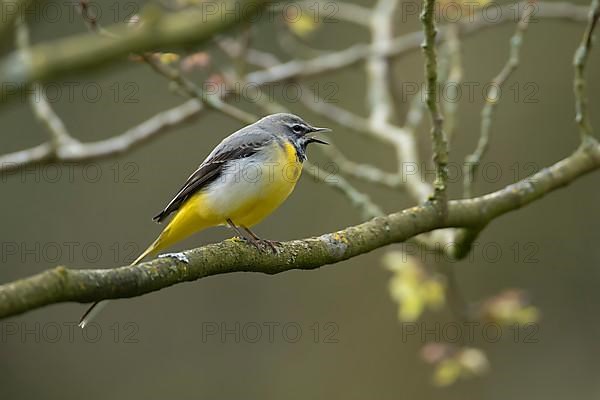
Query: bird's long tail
[[185, 223], [95, 308]]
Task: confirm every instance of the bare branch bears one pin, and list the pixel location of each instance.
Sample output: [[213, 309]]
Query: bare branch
[[405, 44], [112, 147], [382, 32]]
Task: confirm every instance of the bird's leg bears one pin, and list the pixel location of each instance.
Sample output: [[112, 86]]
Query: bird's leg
[[250, 239], [271, 243]]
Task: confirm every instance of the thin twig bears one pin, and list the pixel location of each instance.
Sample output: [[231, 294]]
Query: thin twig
[[193, 91], [580, 59], [172, 74], [361, 171], [438, 137], [60, 137], [367, 208], [492, 99]]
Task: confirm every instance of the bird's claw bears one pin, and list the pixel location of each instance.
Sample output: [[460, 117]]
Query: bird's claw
[[261, 244], [272, 244]]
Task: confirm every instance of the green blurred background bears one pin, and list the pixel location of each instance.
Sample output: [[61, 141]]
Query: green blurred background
[[156, 347]]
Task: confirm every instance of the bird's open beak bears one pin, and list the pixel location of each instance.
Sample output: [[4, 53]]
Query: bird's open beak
[[317, 140]]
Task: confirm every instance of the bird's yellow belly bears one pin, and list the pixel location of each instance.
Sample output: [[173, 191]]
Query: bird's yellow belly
[[260, 206]]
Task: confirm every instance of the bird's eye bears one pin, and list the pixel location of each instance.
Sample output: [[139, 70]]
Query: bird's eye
[[298, 128]]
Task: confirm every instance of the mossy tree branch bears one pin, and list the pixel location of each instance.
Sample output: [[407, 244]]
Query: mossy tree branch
[[66, 285], [155, 30]]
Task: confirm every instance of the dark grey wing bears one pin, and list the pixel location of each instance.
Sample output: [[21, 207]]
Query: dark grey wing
[[211, 169]]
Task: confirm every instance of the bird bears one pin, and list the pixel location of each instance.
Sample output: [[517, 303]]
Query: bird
[[243, 180]]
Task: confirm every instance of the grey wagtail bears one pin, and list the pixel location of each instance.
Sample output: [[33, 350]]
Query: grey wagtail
[[244, 179]]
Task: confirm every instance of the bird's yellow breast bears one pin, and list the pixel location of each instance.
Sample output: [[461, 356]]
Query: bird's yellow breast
[[278, 179]]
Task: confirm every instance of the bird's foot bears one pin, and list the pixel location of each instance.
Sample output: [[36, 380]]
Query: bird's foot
[[260, 244], [273, 245], [178, 256]]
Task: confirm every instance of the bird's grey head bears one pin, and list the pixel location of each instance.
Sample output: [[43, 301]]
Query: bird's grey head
[[294, 128]]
